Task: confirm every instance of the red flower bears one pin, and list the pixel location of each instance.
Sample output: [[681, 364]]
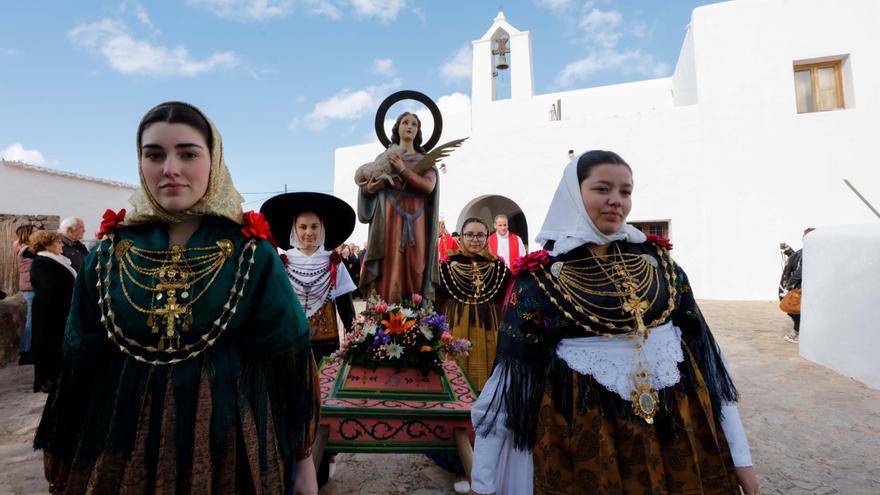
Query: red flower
[[256, 226], [380, 307], [335, 257], [659, 241], [110, 222], [531, 262], [417, 298]]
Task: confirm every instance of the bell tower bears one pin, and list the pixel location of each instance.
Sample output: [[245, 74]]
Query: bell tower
[[503, 51]]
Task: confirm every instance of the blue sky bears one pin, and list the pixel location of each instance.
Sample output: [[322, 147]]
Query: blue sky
[[285, 81]]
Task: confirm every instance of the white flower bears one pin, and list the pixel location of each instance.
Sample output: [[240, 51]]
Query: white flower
[[394, 350], [407, 313], [370, 328], [426, 331]]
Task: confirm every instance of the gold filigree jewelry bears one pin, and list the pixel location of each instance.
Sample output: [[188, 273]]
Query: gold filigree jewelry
[[631, 279], [171, 284], [168, 355], [471, 283], [645, 400]]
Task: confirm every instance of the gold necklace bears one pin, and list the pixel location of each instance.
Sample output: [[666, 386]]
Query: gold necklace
[[476, 282], [170, 285], [169, 356], [632, 277]]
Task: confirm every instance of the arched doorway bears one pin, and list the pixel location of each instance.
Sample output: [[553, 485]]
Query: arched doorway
[[486, 207]]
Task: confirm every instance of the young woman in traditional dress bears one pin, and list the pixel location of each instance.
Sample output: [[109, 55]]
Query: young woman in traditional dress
[[472, 286], [308, 227], [608, 380], [187, 360], [401, 257]]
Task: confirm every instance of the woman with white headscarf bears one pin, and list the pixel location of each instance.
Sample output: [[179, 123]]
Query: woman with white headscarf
[[607, 378]]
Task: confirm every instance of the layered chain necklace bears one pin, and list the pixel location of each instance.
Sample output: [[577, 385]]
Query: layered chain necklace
[[476, 282], [172, 279], [311, 283], [633, 282], [170, 284]]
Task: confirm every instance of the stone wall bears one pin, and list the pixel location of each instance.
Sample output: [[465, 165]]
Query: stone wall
[[8, 263], [13, 311]]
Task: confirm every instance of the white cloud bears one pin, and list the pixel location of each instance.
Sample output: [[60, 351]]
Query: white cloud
[[130, 56], [384, 67], [557, 5], [246, 9], [17, 153], [144, 17], [385, 10], [460, 67], [321, 7], [344, 105], [603, 34], [600, 27]]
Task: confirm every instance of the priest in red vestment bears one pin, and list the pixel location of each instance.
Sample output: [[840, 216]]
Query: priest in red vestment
[[505, 244], [445, 242]]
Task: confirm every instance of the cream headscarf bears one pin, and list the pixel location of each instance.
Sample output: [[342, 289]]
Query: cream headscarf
[[567, 222], [221, 199]]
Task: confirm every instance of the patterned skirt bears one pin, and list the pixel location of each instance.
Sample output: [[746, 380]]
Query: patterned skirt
[[606, 455]]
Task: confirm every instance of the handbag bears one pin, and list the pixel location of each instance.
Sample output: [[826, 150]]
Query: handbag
[[791, 302]]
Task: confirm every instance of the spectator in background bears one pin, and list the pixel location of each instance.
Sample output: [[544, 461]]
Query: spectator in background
[[445, 242], [24, 257], [457, 237], [350, 261], [505, 244], [791, 279], [72, 231], [52, 278]]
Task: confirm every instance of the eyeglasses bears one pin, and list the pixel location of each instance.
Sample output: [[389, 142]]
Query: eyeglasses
[[474, 237]]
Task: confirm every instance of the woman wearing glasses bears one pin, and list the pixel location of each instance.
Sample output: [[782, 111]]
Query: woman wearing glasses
[[472, 285]]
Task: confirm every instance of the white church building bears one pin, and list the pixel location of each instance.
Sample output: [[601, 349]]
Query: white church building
[[771, 105]]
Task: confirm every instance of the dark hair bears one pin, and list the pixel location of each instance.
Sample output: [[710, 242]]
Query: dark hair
[[455, 234], [395, 134], [592, 159], [175, 112], [471, 220], [808, 230], [24, 233]]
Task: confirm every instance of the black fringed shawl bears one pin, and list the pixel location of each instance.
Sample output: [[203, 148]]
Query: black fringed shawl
[[532, 326]]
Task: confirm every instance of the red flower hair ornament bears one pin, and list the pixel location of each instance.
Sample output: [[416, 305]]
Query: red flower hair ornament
[[530, 262], [110, 222], [659, 241], [256, 226]]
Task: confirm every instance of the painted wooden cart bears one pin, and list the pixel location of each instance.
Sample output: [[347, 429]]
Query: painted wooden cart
[[395, 411]]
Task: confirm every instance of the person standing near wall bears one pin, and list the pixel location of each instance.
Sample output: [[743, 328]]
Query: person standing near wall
[[72, 230], [24, 257], [791, 280]]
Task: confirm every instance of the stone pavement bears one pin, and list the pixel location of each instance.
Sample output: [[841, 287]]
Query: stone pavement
[[811, 430]]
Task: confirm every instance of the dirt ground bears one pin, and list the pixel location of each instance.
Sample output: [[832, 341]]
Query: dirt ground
[[811, 430]]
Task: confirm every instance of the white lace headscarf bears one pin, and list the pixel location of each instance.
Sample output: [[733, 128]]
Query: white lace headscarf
[[567, 222], [294, 239]]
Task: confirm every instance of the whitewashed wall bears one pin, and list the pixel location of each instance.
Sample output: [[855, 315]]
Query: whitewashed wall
[[839, 306], [27, 191], [733, 165]]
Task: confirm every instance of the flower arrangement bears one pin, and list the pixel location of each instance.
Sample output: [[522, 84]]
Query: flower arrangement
[[407, 335]]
